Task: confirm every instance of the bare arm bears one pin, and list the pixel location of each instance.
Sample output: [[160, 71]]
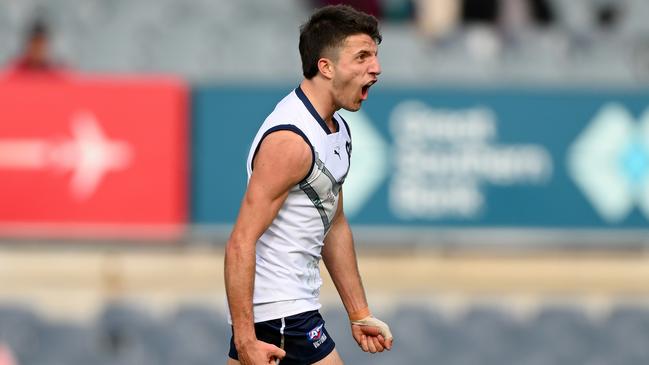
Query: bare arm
[[282, 161], [339, 256]]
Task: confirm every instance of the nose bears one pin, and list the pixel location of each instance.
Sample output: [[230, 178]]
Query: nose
[[375, 67]]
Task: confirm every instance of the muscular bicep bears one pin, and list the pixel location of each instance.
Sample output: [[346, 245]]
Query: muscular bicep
[[283, 160]]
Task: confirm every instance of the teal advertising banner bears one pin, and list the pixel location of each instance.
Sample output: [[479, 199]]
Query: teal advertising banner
[[453, 157]]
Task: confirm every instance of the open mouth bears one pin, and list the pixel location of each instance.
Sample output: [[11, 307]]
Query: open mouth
[[365, 89]]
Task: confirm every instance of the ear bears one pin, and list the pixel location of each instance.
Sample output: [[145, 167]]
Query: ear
[[326, 67]]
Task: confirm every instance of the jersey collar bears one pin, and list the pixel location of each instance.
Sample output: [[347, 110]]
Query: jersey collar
[[307, 103]]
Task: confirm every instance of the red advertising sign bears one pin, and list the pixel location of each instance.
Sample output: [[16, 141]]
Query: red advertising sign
[[93, 156]]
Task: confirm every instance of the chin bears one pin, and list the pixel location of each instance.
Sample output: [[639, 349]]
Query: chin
[[353, 108]]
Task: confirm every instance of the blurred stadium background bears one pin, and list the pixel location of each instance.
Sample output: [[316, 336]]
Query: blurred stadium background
[[499, 195]]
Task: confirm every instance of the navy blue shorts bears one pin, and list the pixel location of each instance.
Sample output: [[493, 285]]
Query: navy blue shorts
[[305, 338]]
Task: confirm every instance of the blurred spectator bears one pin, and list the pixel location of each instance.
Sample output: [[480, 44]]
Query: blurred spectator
[[480, 27], [520, 15], [35, 55], [485, 26], [436, 18], [608, 15], [480, 11], [398, 10], [508, 13], [372, 7]]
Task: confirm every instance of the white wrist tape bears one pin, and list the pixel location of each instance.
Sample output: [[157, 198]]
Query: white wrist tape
[[374, 322]]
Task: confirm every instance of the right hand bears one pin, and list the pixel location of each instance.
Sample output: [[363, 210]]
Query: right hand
[[259, 353]]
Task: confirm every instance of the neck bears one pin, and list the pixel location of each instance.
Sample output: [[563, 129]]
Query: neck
[[319, 95]]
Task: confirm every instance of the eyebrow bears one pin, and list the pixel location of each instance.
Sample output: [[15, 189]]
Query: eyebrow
[[365, 51]]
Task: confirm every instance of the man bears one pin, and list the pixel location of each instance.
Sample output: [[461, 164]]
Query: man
[[35, 56], [292, 212], [35, 60]]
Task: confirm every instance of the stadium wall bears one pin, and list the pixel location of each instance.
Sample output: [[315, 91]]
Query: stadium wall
[[511, 162], [556, 163]]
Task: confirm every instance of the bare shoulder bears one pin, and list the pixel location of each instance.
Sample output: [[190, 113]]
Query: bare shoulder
[[283, 155]]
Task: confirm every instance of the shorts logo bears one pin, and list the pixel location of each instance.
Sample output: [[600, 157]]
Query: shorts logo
[[315, 333], [317, 336]]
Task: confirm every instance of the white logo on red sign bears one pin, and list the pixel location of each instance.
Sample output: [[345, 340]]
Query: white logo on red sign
[[89, 155]]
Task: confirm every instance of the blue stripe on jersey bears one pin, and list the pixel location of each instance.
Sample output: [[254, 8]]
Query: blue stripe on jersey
[[285, 127], [307, 103], [349, 131], [348, 146]]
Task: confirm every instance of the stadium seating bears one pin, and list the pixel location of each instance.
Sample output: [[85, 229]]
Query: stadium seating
[[205, 41], [125, 334], [20, 329]]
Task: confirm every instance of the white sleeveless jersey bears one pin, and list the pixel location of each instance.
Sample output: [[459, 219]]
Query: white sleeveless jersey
[[287, 279]]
